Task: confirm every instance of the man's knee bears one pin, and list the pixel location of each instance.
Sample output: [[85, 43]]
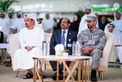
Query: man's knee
[[97, 51]]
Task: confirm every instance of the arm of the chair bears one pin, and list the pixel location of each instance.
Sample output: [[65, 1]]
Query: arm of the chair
[[107, 50]]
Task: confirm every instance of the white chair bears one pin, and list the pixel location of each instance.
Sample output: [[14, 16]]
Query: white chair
[[114, 55], [13, 46], [106, 54]]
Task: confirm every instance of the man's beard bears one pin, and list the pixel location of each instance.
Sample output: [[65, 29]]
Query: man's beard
[[26, 25], [89, 26]]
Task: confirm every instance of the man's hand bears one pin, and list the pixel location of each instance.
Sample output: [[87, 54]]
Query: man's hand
[[87, 50], [117, 45], [48, 31], [66, 50], [29, 48]]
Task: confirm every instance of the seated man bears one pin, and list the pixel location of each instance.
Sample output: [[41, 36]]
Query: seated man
[[92, 42], [117, 43], [31, 43], [63, 36]]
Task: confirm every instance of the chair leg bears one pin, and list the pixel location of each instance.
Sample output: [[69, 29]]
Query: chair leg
[[115, 63], [102, 75], [99, 73], [17, 73]]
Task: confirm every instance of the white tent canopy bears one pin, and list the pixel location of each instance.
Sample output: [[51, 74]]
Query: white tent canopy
[[47, 6], [59, 5]]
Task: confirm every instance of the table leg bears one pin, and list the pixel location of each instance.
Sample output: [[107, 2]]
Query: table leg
[[70, 72], [37, 72], [34, 72], [57, 71], [79, 71], [1, 56], [82, 70], [86, 70], [40, 80], [41, 70]]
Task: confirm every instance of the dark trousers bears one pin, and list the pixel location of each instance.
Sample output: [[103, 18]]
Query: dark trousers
[[54, 65]]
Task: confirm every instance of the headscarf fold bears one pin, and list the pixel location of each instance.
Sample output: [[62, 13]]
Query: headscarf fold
[[34, 17], [115, 15]]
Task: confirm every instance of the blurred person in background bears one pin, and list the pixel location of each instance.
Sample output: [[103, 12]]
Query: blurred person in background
[[4, 25], [10, 18], [40, 22], [55, 22], [59, 24], [75, 23], [117, 42], [48, 24], [118, 22], [102, 23], [19, 21], [83, 23]]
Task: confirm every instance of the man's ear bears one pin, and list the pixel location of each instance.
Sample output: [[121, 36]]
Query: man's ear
[[69, 24], [33, 21]]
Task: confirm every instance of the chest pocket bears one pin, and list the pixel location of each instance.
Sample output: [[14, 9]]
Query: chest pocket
[[85, 39], [95, 38]]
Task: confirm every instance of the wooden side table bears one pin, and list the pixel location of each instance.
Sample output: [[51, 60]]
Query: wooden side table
[[3, 48], [78, 60]]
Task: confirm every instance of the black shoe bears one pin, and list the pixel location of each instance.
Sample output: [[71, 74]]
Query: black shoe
[[44, 76], [8, 64], [54, 76], [61, 76], [93, 76]]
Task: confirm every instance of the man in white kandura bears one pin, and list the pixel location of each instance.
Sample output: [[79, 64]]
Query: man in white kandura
[[83, 23], [31, 43], [48, 24], [10, 18], [117, 43], [118, 22], [4, 25], [19, 21]]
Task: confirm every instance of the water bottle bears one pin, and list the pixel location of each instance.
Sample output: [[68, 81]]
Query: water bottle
[[47, 43], [77, 49], [45, 48]]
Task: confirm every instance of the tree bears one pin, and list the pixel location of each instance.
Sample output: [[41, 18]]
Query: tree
[[4, 4]]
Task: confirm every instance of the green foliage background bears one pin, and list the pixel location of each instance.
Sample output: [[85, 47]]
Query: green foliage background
[[4, 4]]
